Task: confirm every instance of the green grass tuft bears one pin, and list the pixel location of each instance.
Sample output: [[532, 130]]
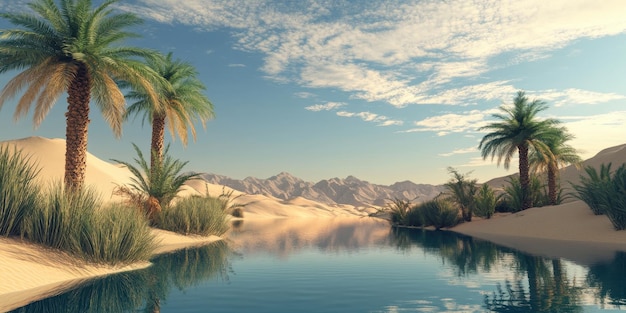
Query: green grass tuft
[[439, 213], [74, 223], [196, 215], [18, 192]]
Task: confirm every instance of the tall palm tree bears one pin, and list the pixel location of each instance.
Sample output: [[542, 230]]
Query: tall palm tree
[[181, 101], [559, 154], [72, 48], [518, 130]]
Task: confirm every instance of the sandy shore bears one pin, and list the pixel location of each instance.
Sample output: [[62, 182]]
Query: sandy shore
[[31, 272], [568, 230]]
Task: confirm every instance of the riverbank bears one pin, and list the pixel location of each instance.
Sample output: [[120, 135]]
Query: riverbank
[[568, 231], [32, 272]]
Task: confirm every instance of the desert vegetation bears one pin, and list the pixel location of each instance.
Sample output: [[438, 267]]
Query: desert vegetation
[[605, 192], [74, 48]]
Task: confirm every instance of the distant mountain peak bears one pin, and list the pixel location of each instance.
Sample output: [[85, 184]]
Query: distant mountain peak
[[350, 190]]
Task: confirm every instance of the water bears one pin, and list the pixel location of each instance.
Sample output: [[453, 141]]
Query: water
[[353, 265]]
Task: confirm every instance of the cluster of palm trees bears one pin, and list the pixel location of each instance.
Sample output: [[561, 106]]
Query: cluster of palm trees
[[541, 144], [74, 48]]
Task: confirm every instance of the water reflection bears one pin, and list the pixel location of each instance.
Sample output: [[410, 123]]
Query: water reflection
[[142, 289], [492, 278], [538, 284], [283, 237]]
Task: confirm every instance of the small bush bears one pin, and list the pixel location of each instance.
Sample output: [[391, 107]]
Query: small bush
[[195, 215], [605, 193], [514, 197], [414, 217], [398, 209], [439, 213], [485, 202], [18, 191], [592, 187]]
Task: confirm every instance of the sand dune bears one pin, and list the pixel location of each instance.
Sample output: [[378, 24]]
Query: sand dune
[[568, 230]]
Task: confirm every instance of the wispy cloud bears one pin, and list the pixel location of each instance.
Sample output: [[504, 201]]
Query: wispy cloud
[[402, 52], [460, 151], [445, 124], [325, 107], [304, 95], [380, 120], [236, 65]]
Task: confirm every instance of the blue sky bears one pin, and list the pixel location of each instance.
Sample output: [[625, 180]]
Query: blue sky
[[383, 90]]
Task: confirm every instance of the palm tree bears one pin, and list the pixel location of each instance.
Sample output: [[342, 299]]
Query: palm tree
[[181, 101], [153, 189], [462, 191], [518, 130], [72, 48], [560, 153]]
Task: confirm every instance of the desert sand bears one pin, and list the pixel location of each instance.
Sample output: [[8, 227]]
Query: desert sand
[[31, 272]]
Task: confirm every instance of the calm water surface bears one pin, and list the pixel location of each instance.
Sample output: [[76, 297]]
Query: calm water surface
[[350, 265]]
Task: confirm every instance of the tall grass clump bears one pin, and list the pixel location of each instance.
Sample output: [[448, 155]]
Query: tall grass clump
[[116, 234], [74, 222], [57, 222], [18, 191], [439, 213], [199, 215], [592, 187], [485, 202]]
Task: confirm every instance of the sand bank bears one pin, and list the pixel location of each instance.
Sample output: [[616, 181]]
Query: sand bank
[[31, 272], [568, 230]]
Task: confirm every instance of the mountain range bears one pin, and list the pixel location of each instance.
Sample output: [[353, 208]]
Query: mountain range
[[349, 190], [356, 192]]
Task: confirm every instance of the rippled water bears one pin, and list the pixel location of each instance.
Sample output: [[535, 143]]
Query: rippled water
[[350, 265]]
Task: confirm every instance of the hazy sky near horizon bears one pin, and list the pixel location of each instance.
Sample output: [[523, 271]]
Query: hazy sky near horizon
[[383, 90]]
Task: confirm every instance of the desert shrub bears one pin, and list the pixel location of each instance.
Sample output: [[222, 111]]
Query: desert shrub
[[605, 193], [514, 197], [74, 223], [485, 202], [461, 190], [195, 215], [592, 186], [18, 191], [116, 234], [57, 221], [414, 217], [439, 213], [398, 209]]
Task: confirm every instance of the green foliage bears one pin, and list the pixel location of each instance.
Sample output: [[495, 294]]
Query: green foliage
[[439, 213], [518, 130], [403, 213], [163, 182], [196, 215], [116, 234], [73, 222], [592, 187], [461, 191], [485, 202], [514, 196], [605, 193], [18, 192], [398, 209]]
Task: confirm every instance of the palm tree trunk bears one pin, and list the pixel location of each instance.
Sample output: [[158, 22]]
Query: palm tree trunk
[[552, 184], [158, 137], [77, 123], [524, 176]]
